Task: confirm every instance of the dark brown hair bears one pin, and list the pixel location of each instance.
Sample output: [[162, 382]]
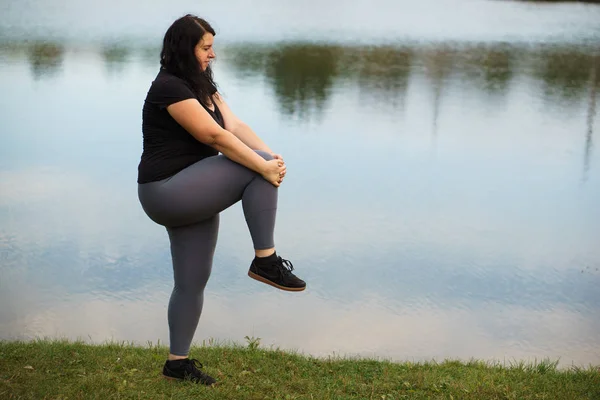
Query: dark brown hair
[[178, 57]]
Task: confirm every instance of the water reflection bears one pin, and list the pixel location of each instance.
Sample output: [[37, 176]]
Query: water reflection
[[565, 72], [437, 63], [382, 73], [46, 59], [591, 114], [491, 69], [303, 76], [149, 56], [115, 57]]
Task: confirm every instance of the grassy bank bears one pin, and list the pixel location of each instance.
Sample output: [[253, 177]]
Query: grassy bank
[[61, 370]]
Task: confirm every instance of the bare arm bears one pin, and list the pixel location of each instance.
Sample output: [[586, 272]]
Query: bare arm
[[239, 128], [196, 120]]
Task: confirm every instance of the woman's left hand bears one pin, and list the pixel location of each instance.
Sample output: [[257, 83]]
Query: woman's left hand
[[280, 158]]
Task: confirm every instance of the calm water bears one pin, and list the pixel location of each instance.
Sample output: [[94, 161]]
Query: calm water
[[443, 189]]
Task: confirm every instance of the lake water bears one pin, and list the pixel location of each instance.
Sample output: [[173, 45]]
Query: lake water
[[443, 189]]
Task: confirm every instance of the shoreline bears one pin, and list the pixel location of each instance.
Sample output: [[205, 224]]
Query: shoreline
[[70, 369]]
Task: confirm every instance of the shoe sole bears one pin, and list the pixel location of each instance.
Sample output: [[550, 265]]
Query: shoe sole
[[268, 282], [171, 379]]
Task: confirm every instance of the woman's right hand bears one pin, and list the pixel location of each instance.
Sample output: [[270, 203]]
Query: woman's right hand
[[274, 172]]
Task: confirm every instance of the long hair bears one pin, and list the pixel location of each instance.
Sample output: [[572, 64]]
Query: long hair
[[178, 57]]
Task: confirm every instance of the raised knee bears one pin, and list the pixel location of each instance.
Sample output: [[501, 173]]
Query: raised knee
[[264, 154]]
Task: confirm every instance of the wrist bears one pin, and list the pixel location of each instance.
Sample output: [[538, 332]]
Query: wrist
[[262, 166]]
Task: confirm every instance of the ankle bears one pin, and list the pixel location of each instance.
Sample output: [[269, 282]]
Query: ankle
[[264, 253], [173, 357]]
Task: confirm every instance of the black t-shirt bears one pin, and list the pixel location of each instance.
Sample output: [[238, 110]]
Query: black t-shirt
[[168, 147]]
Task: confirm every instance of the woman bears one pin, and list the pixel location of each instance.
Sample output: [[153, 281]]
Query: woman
[[183, 182]]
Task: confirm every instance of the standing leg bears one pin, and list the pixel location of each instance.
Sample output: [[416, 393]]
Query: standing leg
[[192, 250]]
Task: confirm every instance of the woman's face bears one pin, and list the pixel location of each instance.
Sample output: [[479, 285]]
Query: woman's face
[[204, 50]]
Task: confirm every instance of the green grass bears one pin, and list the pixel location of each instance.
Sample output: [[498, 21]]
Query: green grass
[[73, 370]]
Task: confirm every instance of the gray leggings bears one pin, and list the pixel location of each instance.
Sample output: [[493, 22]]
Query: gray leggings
[[188, 205]]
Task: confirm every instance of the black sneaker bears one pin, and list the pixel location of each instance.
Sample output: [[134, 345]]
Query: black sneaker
[[277, 272], [186, 369]]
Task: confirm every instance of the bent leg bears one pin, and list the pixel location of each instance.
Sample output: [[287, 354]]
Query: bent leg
[[210, 186]]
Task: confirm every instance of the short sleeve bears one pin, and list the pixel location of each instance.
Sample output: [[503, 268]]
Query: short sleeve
[[169, 90]]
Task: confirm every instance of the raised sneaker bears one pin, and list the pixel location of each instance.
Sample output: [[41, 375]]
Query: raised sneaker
[[276, 271]]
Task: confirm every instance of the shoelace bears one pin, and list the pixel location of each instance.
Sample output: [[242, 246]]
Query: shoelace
[[285, 266], [193, 366]]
